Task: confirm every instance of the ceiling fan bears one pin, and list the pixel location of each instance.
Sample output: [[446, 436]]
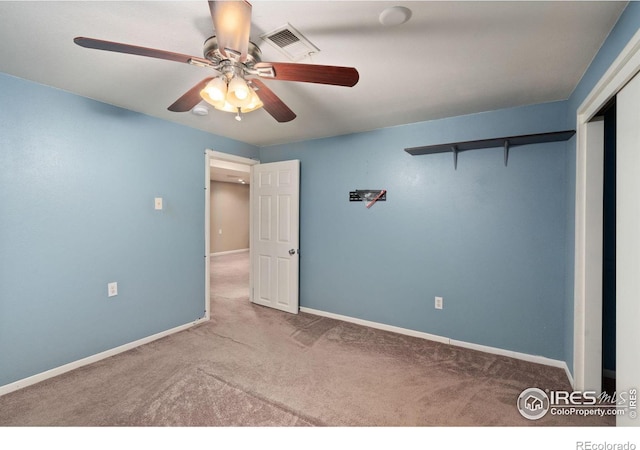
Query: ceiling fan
[[236, 87]]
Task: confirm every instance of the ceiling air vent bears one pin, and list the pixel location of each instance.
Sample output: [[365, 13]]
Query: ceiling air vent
[[290, 42]]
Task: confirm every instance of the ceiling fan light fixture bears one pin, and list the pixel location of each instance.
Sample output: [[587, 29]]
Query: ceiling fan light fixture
[[254, 102], [233, 56], [238, 92], [227, 98], [215, 91]]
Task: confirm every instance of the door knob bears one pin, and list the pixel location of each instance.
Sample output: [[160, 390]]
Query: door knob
[[292, 251]]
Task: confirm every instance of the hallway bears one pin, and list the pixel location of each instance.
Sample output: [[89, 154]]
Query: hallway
[[229, 276]]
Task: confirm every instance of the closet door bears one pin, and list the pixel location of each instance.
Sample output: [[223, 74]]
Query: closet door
[[628, 244]]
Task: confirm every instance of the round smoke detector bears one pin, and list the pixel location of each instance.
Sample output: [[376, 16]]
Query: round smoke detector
[[200, 110], [394, 15]]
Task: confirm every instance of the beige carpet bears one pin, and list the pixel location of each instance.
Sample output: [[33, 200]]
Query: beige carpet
[[253, 366]]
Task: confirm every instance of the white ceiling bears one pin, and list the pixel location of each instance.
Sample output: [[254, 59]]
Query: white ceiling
[[229, 172], [451, 58]]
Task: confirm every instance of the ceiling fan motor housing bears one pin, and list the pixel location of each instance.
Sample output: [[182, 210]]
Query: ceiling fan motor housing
[[212, 53]]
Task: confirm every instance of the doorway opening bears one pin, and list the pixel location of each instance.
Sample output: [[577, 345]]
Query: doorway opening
[[608, 115], [227, 226]]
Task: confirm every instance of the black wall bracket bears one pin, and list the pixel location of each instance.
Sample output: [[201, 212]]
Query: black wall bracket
[[505, 142], [368, 195]]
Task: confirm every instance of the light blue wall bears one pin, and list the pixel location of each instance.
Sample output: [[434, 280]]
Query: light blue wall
[[623, 31], [77, 183], [489, 239], [507, 282], [627, 25]]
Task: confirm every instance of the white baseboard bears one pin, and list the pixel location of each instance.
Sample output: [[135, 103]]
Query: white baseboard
[[229, 252], [445, 340], [379, 326], [517, 355], [16, 385]]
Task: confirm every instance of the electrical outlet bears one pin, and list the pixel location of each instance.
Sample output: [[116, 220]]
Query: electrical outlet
[[439, 303], [112, 289], [158, 203]]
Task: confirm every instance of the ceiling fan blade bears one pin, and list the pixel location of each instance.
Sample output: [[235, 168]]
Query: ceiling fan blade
[[141, 51], [190, 99], [232, 22], [272, 103], [309, 73]]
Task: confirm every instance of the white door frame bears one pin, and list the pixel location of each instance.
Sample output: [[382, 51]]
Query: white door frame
[[212, 155], [588, 215]]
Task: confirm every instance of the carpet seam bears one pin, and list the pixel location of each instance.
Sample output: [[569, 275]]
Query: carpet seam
[[312, 420]]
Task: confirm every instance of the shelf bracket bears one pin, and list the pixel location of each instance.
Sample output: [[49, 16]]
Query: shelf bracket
[[506, 152], [454, 149]]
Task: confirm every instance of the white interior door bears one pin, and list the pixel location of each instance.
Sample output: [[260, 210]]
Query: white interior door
[[275, 209], [628, 242]]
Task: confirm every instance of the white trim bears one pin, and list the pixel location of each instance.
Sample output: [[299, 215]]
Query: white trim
[[445, 340], [588, 257], [207, 233], [572, 382], [537, 359], [16, 385], [231, 158], [229, 252], [621, 71], [251, 225], [377, 325]]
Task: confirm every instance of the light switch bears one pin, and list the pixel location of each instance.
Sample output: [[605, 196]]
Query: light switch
[[158, 203]]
